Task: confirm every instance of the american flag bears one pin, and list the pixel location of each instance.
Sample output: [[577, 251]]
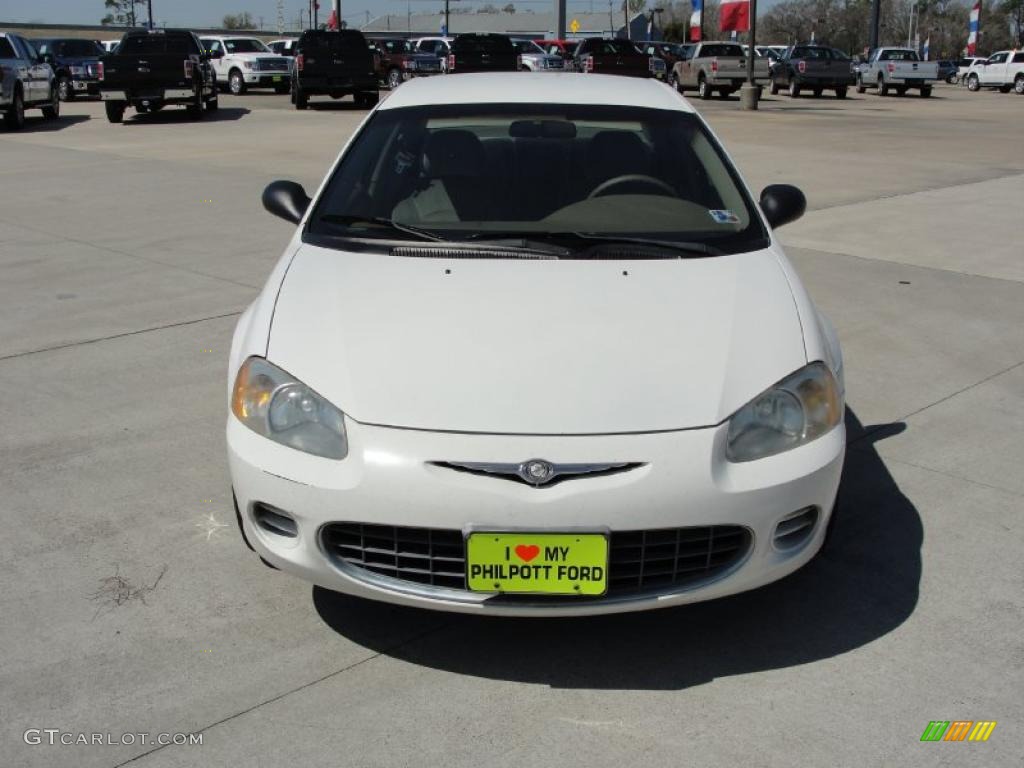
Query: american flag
[[696, 20], [972, 34]]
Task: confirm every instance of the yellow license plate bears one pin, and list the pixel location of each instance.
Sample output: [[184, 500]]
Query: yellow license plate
[[539, 563], [277, 78]]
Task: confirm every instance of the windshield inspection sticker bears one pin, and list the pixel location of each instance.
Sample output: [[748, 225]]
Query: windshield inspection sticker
[[724, 217]]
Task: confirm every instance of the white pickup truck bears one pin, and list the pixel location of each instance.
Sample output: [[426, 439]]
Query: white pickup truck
[[1003, 70], [246, 62], [897, 69]]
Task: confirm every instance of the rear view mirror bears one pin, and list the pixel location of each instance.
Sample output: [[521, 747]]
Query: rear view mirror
[[286, 200], [782, 203]]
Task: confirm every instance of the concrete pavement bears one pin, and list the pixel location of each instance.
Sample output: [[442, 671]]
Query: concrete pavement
[[130, 604]]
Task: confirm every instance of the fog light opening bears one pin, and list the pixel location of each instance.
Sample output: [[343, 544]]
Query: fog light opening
[[794, 531], [275, 521]]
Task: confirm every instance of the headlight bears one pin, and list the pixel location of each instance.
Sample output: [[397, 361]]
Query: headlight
[[280, 407], [800, 408], [248, 65]]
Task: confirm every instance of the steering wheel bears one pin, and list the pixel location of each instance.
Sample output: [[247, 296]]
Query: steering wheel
[[628, 178]]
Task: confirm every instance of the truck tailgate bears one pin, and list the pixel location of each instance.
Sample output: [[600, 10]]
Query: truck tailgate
[[148, 74]]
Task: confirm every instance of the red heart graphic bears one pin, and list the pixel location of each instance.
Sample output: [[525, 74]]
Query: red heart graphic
[[526, 552]]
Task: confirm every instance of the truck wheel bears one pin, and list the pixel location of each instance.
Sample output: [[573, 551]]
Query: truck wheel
[[67, 91], [1018, 85], [883, 87], [15, 117], [817, 93], [115, 111], [236, 83], [52, 110], [394, 79], [973, 84], [794, 89], [673, 81], [841, 92], [703, 89], [861, 88], [299, 98], [1005, 88], [926, 91], [773, 89]]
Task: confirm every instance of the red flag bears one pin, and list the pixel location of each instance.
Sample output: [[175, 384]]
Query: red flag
[[332, 21], [734, 16]]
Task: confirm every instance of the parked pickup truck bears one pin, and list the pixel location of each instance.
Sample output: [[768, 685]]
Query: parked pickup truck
[[398, 60], [26, 82], [483, 53], [1003, 70], [153, 68], [334, 63], [613, 56], [814, 68], [533, 58], [712, 66], [75, 61], [240, 63], [897, 69]]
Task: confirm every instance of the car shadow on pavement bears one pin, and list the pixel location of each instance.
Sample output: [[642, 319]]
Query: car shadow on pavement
[[862, 586], [37, 124], [178, 115], [346, 105]]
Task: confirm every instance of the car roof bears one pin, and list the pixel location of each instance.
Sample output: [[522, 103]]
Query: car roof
[[536, 88]]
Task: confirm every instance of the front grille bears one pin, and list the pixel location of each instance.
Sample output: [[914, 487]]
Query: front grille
[[272, 65], [639, 561]]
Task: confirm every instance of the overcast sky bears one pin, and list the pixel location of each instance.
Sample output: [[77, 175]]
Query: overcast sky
[[202, 13]]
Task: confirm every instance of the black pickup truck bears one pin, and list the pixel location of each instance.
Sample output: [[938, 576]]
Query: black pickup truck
[[153, 68], [334, 63], [612, 56], [483, 53]]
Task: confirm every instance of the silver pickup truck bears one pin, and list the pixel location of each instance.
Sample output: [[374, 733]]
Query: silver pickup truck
[[27, 81], [711, 67], [897, 69]]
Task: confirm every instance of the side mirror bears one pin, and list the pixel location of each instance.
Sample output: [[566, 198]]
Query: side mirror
[[287, 200], [782, 203]]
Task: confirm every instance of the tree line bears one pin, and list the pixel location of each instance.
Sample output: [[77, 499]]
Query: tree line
[[844, 24]]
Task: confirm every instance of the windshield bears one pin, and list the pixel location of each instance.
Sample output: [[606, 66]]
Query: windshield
[[79, 48], [530, 170], [527, 46], [246, 46], [397, 46]]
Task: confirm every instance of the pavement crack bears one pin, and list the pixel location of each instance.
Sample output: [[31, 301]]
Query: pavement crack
[[83, 342], [304, 686], [869, 432], [129, 255]]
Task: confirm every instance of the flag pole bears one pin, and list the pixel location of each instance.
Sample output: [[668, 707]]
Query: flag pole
[[750, 91]]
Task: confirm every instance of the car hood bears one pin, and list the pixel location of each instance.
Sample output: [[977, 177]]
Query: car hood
[[536, 347]]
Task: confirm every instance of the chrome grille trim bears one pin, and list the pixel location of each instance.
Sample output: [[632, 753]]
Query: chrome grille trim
[[560, 472], [430, 562]]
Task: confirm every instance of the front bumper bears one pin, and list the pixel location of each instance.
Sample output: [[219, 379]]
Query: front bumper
[[388, 479], [266, 79]]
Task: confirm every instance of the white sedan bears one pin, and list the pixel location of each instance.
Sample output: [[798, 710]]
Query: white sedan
[[536, 357]]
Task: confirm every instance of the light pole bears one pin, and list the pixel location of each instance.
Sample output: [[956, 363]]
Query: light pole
[[150, 9]]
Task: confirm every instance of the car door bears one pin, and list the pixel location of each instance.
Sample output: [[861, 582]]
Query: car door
[[39, 73], [993, 69]]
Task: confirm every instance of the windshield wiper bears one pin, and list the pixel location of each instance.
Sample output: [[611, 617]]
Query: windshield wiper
[[682, 247], [344, 218], [539, 242], [561, 239]]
